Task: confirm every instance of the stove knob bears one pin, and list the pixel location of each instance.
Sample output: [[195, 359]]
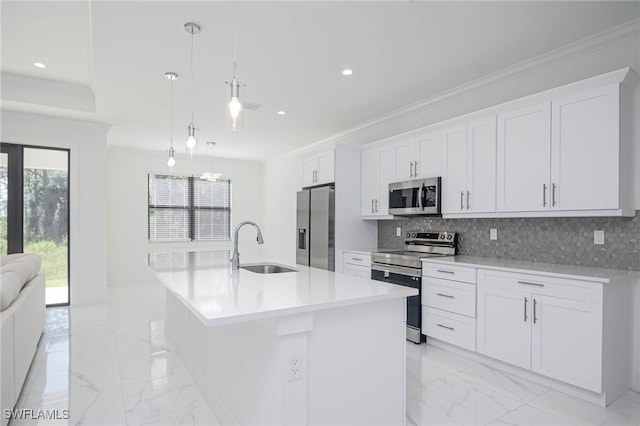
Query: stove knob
[[442, 236], [413, 235], [408, 235], [449, 237]]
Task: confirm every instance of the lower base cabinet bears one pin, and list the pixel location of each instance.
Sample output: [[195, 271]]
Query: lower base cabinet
[[548, 325], [357, 264]]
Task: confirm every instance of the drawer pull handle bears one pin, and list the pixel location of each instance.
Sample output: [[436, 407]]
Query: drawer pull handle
[[444, 326], [445, 295], [525, 309], [444, 271], [528, 283], [356, 258], [534, 311]]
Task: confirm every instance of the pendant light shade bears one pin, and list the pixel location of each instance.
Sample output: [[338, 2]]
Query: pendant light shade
[[171, 76], [234, 105], [191, 141], [210, 175]]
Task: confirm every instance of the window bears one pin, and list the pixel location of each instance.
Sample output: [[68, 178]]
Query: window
[[185, 208]]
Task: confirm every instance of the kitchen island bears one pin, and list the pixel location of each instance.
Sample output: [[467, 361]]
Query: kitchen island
[[303, 347]]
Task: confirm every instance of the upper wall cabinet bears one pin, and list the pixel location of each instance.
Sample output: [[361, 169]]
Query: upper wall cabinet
[[318, 169], [469, 179], [377, 172], [563, 155], [418, 156]]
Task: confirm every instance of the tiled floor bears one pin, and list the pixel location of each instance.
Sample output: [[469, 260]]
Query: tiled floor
[[110, 365]]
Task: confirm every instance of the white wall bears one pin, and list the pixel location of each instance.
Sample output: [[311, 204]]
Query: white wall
[[87, 142], [127, 218]]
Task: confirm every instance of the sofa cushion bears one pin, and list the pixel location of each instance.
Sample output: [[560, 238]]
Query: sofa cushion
[[10, 285], [25, 265]]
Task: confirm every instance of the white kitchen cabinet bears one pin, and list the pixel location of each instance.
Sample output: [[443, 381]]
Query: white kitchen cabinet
[[469, 181], [318, 169], [357, 264], [418, 156], [550, 326], [524, 159], [585, 151], [377, 172]]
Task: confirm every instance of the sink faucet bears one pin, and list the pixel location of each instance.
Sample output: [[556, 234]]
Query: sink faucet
[[235, 260]]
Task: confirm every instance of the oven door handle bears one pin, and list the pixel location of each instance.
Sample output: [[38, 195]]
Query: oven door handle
[[411, 272]]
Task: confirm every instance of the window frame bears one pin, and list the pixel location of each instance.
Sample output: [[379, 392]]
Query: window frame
[[191, 208]]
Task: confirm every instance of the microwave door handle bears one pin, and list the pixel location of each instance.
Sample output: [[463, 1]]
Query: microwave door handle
[[420, 196]]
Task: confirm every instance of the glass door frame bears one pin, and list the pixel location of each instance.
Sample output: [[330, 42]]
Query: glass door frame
[[15, 201]]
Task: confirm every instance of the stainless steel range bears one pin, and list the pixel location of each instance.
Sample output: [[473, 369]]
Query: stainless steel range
[[404, 267]]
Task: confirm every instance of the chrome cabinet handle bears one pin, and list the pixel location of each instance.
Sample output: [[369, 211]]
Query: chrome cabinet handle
[[372, 205], [544, 195], [415, 169], [468, 193], [553, 194], [356, 258], [444, 271], [411, 169], [461, 200], [444, 326], [445, 295], [376, 205], [525, 309], [528, 283], [534, 311]]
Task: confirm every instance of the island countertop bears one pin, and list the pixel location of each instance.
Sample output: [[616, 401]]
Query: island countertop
[[218, 295]]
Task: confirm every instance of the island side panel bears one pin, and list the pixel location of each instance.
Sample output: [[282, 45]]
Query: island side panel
[[353, 364]]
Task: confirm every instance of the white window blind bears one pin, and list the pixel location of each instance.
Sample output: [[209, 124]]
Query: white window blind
[[185, 208]]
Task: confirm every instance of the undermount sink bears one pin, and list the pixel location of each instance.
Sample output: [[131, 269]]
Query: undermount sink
[[267, 268]]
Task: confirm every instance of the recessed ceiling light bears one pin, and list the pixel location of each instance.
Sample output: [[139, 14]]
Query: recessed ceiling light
[[347, 72], [282, 112], [39, 65]]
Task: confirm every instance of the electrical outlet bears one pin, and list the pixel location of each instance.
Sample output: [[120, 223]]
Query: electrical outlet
[[598, 237], [398, 232], [295, 367], [493, 234]]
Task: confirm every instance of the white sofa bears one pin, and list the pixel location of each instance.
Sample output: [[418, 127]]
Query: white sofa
[[22, 319]]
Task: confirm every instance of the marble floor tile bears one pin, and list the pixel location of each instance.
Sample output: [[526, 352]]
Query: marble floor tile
[[578, 411], [529, 416], [505, 383], [200, 414], [455, 399], [426, 363]]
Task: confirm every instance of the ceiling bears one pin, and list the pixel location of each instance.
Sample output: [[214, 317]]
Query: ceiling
[[290, 56]]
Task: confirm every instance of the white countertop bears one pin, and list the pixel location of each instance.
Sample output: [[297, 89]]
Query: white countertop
[[585, 273], [217, 295]]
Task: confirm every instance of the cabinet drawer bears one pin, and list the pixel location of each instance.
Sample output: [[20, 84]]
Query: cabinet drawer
[[465, 274], [452, 296], [357, 259], [357, 271], [451, 328], [537, 284]]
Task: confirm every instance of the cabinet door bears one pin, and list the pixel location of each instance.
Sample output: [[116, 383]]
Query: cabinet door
[[405, 158], [325, 168], [385, 175], [585, 151], [481, 166], [429, 160], [524, 159], [454, 182], [309, 171], [357, 271], [566, 341], [369, 181], [504, 330]]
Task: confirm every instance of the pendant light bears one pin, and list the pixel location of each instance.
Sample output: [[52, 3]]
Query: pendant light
[[234, 106], [210, 176], [191, 141], [171, 76]]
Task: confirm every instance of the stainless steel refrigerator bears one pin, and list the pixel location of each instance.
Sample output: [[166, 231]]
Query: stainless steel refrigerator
[[316, 228]]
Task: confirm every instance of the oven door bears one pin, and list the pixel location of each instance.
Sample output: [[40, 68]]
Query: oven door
[[414, 197], [408, 277]]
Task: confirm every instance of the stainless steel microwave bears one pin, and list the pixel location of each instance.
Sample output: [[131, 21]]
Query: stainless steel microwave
[[415, 197]]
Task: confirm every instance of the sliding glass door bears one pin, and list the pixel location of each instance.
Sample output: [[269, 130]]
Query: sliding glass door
[[36, 216]]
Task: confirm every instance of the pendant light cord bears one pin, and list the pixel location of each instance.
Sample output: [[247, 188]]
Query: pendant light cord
[[171, 110], [191, 75], [235, 37]]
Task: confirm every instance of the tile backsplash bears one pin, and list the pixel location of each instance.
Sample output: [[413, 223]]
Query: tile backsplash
[[551, 240]]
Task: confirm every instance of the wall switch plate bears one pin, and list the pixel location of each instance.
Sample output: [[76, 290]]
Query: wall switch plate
[[598, 237], [493, 234], [295, 367], [398, 232]]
